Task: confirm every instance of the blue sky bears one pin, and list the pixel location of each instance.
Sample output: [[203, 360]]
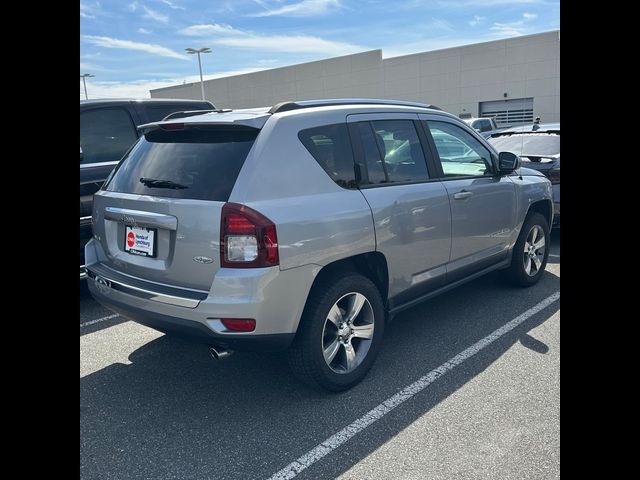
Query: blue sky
[[134, 45]]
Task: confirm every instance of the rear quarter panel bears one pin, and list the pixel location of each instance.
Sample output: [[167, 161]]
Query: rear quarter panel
[[317, 221]]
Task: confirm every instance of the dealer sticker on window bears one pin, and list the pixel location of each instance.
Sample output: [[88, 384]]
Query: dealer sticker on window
[[140, 241]]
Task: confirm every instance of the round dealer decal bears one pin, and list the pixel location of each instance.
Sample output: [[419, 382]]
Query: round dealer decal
[[131, 239]]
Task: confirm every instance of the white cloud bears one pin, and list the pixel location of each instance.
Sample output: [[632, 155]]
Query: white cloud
[[222, 34], [305, 8], [439, 24], [133, 6], [480, 3], [209, 29], [512, 29], [156, 16], [144, 31], [172, 5], [140, 88], [88, 11], [108, 42], [530, 16], [289, 44], [89, 66], [477, 19]]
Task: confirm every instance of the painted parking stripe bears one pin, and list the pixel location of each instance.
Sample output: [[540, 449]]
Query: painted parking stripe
[[331, 443], [98, 320], [554, 255]]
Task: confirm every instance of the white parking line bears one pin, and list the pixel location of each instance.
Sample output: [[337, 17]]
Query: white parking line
[[98, 320], [554, 255], [331, 443]]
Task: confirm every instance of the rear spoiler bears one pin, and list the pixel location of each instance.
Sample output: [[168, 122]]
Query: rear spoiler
[[226, 118]]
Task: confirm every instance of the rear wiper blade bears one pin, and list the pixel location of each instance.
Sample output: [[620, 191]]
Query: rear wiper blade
[[156, 183]]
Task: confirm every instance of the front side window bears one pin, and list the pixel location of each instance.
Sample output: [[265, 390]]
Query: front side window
[[461, 154], [330, 146], [392, 151], [105, 134]]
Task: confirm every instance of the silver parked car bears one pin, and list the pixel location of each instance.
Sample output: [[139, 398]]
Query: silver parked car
[[307, 225]]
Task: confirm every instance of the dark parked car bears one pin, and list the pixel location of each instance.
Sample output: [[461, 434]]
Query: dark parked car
[[107, 130], [538, 146]]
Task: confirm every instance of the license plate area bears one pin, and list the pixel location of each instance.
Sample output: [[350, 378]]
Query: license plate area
[[140, 241]]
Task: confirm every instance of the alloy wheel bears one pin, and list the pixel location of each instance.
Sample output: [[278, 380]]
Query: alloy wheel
[[348, 332]]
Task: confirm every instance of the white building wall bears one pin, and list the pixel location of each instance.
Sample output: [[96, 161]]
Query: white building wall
[[455, 79]]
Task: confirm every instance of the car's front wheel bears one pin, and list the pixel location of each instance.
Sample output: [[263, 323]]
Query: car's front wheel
[[531, 251], [340, 332]]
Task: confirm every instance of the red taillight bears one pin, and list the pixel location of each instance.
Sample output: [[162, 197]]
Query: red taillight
[[238, 224], [248, 239], [239, 324]]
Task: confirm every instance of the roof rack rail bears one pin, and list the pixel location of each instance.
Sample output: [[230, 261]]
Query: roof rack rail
[[191, 113], [291, 105]]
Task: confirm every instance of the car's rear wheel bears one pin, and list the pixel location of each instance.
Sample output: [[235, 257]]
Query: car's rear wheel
[[340, 332], [531, 251]]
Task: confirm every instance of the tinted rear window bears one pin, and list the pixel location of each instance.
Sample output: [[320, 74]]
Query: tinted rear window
[[195, 163]]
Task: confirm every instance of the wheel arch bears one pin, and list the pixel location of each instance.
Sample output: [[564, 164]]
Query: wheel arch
[[372, 265], [543, 207]]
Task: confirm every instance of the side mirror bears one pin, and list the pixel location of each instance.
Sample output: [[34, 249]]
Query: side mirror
[[81, 156], [508, 162]]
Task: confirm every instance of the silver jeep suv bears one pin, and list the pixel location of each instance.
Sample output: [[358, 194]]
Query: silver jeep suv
[[308, 225]]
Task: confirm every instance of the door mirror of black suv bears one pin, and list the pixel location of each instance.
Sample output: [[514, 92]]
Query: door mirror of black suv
[[508, 162]]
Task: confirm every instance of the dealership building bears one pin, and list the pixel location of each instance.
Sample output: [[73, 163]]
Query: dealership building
[[513, 80]]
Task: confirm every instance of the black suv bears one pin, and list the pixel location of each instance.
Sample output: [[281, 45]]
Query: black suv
[[107, 130]]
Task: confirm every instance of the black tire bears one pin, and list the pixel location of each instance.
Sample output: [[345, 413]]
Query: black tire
[[306, 357], [516, 274]]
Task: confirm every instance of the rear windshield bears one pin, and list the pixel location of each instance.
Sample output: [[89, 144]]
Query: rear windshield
[[199, 163]]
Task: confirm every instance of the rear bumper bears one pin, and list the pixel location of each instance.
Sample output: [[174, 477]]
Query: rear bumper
[[193, 330], [274, 298]]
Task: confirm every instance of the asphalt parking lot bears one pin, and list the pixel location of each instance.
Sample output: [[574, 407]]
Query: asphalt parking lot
[[483, 359]]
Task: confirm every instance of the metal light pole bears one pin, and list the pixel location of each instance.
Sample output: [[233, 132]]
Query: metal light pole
[[192, 51], [84, 81]]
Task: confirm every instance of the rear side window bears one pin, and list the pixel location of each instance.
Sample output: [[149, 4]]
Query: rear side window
[[199, 163], [331, 148], [105, 134], [392, 151]]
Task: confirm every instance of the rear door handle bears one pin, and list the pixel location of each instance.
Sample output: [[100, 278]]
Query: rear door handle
[[462, 195]]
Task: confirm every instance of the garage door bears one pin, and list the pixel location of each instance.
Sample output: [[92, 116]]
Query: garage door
[[510, 112]]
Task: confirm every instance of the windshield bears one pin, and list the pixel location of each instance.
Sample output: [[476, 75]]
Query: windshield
[[524, 144]]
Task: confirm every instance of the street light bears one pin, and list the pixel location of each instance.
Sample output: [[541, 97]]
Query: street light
[[192, 51], [83, 77]]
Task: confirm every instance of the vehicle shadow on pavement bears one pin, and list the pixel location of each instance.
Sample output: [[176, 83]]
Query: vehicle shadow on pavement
[[174, 412]]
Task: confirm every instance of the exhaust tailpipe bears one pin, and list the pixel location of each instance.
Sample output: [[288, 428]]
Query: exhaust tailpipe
[[219, 353]]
